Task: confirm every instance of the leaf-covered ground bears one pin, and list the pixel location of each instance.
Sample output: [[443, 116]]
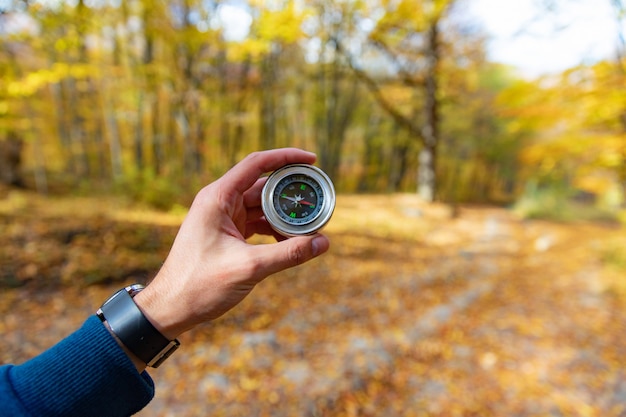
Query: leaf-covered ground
[[411, 313]]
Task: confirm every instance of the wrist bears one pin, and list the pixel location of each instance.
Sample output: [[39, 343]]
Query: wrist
[[132, 329], [159, 315]]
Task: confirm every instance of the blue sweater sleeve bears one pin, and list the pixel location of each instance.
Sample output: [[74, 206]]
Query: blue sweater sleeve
[[86, 374]]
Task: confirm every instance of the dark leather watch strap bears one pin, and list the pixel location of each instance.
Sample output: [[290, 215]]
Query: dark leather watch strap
[[135, 331]]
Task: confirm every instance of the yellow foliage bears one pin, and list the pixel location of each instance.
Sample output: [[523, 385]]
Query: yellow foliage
[[35, 80], [249, 48], [595, 182], [282, 25], [588, 159], [576, 124], [411, 15]]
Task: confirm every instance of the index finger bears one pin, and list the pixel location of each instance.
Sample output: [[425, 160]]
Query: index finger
[[243, 175]]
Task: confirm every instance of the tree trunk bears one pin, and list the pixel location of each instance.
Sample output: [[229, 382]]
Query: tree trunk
[[621, 171], [157, 135], [224, 108], [115, 148], [370, 160], [267, 129], [399, 160], [138, 139], [338, 108], [428, 133], [426, 184], [427, 171], [112, 133], [11, 160]]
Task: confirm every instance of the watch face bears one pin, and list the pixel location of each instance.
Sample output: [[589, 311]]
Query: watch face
[[298, 200]]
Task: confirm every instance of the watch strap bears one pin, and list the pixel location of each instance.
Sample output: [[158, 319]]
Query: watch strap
[[134, 330]]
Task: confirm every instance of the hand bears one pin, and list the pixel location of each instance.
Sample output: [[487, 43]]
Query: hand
[[211, 267]]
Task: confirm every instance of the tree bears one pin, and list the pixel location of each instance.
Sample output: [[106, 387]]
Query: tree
[[159, 90], [11, 160], [620, 15], [336, 92], [275, 33], [409, 36]]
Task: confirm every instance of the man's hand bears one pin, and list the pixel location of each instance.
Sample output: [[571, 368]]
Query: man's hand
[[211, 267]]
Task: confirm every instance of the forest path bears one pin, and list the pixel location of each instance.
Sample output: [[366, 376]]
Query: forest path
[[411, 313], [487, 315]]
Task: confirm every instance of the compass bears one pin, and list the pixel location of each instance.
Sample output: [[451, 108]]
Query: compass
[[298, 199]]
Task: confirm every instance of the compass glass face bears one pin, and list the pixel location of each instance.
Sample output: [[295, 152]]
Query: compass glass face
[[298, 199]]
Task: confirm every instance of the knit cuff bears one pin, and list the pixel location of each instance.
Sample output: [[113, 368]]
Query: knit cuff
[[87, 373]]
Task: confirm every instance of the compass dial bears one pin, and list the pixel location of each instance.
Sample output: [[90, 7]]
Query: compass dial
[[298, 200]]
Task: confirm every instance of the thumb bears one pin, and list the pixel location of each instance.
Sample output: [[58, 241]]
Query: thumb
[[289, 253]]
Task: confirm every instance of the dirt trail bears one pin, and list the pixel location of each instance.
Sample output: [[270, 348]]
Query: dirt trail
[[503, 318], [409, 314]]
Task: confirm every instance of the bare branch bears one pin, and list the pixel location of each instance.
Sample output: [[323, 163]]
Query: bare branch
[[375, 90], [405, 75]]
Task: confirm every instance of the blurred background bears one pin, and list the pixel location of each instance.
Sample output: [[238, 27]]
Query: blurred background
[[466, 101], [479, 151]]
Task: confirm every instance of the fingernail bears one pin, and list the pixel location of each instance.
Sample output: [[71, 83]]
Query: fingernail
[[318, 244]]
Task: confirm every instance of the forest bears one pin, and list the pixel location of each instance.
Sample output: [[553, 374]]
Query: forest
[[477, 255], [156, 97]]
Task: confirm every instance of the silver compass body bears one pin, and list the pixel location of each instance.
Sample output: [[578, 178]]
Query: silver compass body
[[298, 199]]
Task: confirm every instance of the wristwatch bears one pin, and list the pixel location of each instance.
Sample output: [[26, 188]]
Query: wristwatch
[[133, 329]]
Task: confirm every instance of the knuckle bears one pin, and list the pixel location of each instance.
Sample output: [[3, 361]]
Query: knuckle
[[254, 155], [296, 254], [255, 269], [204, 195], [254, 264]]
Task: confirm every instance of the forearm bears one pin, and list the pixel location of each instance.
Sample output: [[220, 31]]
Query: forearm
[[85, 374]]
